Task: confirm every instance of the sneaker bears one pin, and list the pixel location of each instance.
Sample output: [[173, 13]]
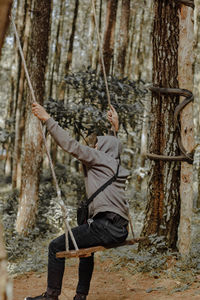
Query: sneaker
[[44, 296], [80, 297]]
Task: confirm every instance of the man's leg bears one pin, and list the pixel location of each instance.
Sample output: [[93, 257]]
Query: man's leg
[[102, 232], [56, 266], [86, 266], [85, 236]]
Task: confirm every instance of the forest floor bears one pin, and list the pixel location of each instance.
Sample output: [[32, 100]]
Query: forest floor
[[124, 273], [110, 284]]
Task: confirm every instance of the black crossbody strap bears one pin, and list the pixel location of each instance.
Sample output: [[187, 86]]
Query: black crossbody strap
[[102, 187]]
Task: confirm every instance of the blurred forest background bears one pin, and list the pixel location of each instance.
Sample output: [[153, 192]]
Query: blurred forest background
[[144, 43]]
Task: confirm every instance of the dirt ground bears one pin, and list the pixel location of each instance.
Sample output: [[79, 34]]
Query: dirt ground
[[107, 284]]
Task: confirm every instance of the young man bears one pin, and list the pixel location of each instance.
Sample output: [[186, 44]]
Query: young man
[[108, 212]]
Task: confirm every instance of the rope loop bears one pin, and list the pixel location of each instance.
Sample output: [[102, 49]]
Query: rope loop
[[185, 156]]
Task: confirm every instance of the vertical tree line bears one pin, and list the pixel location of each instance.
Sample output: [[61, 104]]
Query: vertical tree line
[[123, 36], [170, 192], [33, 22], [197, 96], [163, 203], [4, 14], [70, 50], [19, 99], [122, 26], [37, 61], [5, 9], [108, 42], [186, 80]]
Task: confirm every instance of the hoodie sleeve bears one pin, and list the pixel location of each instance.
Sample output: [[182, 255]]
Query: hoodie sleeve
[[87, 155]]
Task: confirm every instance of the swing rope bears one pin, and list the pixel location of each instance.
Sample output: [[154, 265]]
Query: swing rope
[[106, 84], [58, 191], [101, 54]]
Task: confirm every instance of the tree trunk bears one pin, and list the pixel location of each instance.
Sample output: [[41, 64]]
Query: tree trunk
[[95, 60], [70, 50], [71, 39], [4, 285], [144, 133], [132, 43], [57, 53], [139, 51], [5, 9], [185, 76], [91, 35], [15, 109], [19, 114], [162, 211], [123, 36], [139, 64], [197, 103], [109, 34], [37, 61]]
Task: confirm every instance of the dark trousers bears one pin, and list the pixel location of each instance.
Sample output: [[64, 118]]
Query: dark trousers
[[106, 229]]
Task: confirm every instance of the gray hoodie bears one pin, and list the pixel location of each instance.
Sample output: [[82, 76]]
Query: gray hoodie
[[99, 166]]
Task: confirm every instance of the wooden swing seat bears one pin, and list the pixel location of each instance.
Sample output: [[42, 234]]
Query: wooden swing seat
[[85, 252]]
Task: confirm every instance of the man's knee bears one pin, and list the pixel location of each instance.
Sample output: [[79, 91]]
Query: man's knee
[[52, 246], [57, 244]]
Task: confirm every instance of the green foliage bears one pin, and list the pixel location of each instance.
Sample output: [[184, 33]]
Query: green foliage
[[7, 134], [4, 134], [86, 108], [17, 245], [49, 216]]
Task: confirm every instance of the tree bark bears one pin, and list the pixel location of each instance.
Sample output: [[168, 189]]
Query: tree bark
[[123, 36], [19, 114], [144, 133], [91, 36], [139, 64], [4, 284], [197, 102], [162, 211], [95, 60], [132, 43], [37, 61], [139, 51], [70, 50], [185, 77], [108, 43], [57, 53], [5, 9]]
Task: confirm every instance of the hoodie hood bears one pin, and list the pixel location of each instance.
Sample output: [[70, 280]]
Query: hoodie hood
[[109, 145]]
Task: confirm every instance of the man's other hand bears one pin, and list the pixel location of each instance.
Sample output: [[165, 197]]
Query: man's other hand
[[113, 118], [40, 112]]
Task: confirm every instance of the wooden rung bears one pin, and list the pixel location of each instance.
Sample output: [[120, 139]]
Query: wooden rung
[[85, 252]]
